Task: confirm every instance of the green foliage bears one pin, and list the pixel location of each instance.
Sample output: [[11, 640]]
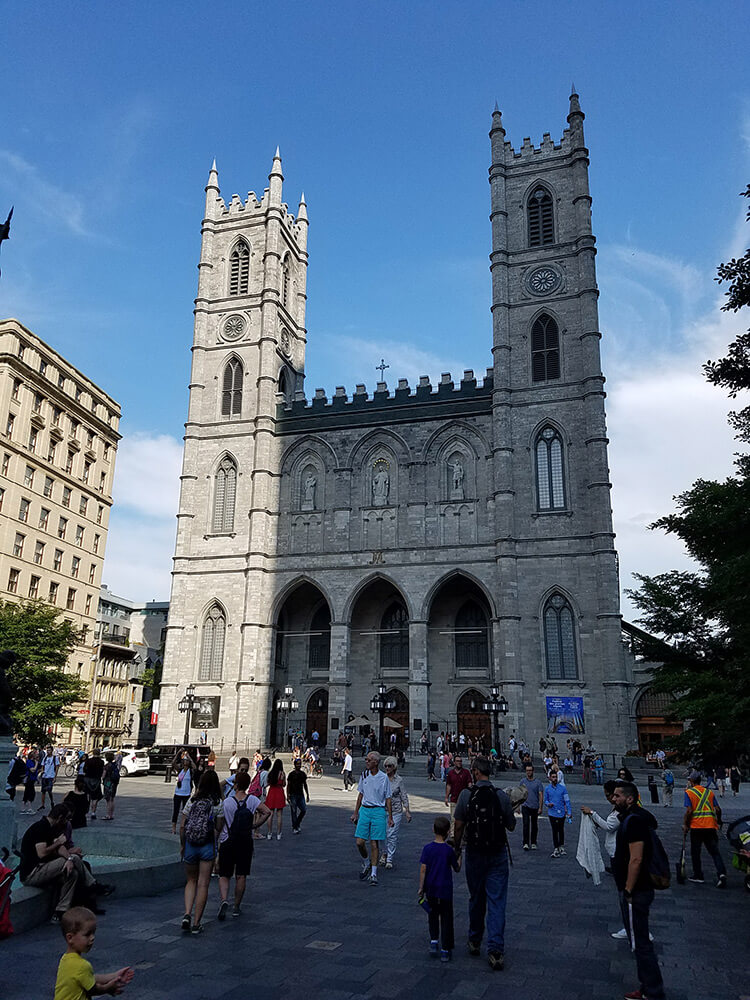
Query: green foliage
[[42, 692]]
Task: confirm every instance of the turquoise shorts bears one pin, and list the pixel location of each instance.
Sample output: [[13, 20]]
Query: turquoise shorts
[[371, 824]]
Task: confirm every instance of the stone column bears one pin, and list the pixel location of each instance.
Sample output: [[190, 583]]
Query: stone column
[[419, 678], [338, 677]]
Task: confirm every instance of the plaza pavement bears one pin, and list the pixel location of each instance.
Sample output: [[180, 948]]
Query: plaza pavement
[[311, 929]]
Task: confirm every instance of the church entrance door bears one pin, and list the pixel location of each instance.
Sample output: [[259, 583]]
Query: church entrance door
[[399, 714], [472, 721], [317, 716]]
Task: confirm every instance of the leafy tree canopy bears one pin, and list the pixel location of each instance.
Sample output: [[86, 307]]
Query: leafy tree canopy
[[42, 692]]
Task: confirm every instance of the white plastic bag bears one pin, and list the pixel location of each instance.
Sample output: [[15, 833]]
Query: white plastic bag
[[589, 855]]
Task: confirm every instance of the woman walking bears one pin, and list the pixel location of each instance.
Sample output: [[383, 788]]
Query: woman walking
[[110, 781], [275, 797], [185, 766], [93, 770], [399, 809], [201, 819], [29, 782]]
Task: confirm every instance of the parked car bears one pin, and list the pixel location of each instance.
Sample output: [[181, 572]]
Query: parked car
[[161, 755], [134, 761]]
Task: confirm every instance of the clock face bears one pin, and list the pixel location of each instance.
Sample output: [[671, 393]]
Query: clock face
[[543, 281], [286, 343], [234, 327]]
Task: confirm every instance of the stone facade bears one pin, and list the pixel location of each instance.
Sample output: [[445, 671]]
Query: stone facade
[[437, 539]]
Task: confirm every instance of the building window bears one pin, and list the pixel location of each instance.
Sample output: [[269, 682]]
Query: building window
[[83, 506], [18, 545], [239, 269], [6, 463], [92, 572], [75, 567], [212, 645], [320, 641], [61, 381], [106, 452], [16, 389], [69, 462], [99, 514], [86, 471], [70, 603], [37, 404], [2, 497], [39, 553], [225, 491], [394, 640], [48, 484], [79, 535], [33, 437], [471, 639], [550, 478], [102, 481], [62, 527], [9, 425], [545, 350], [231, 396], [559, 640], [42, 367], [28, 478], [79, 393], [43, 518], [21, 351], [541, 220], [88, 604], [57, 561], [96, 543], [53, 589], [23, 510], [67, 493], [89, 439], [34, 586], [13, 577], [56, 415], [286, 283], [51, 451]]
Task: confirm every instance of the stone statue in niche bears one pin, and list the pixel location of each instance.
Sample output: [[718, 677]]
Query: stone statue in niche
[[456, 480], [381, 485], [308, 491]]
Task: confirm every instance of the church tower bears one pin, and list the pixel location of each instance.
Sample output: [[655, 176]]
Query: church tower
[[556, 561], [248, 354]]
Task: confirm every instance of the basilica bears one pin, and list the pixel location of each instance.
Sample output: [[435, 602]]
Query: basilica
[[431, 541]]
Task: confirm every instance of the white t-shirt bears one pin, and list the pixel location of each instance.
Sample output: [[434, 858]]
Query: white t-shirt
[[348, 761], [375, 788], [50, 766]]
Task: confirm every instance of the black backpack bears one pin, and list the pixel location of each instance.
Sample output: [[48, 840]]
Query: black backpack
[[17, 772], [485, 824], [242, 824]]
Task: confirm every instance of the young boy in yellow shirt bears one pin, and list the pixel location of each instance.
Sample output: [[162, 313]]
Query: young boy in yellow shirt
[[75, 977]]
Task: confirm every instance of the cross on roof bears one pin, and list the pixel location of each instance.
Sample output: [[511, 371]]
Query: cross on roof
[[381, 368]]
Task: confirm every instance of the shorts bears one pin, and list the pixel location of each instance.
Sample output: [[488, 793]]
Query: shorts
[[194, 854], [235, 859], [47, 784], [371, 824]]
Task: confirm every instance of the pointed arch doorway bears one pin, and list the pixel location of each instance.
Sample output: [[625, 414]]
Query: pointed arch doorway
[[316, 719], [473, 722]]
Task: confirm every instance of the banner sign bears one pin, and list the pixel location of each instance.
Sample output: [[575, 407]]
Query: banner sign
[[565, 715], [154, 711], [206, 712]]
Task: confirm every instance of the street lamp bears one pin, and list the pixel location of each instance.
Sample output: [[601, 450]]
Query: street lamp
[[284, 704], [497, 705], [186, 706], [380, 705]]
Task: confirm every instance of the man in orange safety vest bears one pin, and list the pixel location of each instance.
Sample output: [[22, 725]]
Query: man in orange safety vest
[[702, 819]]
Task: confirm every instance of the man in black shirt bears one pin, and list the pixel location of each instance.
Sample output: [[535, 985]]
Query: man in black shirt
[[297, 791], [630, 867], [45, 860]]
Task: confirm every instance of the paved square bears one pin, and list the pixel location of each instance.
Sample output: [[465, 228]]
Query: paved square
[[305, 898]]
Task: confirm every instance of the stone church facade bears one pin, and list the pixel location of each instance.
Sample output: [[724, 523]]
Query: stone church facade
[[437, 539]]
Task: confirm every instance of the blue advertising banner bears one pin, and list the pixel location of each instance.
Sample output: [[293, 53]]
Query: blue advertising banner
[[565, 715]]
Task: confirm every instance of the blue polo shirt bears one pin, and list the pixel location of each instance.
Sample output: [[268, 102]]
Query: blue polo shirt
[[556, 800]]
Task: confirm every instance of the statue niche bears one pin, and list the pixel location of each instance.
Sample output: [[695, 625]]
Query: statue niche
[[309, 488], [381, 483]]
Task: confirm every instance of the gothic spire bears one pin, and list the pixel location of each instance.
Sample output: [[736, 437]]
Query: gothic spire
[[276, 179]]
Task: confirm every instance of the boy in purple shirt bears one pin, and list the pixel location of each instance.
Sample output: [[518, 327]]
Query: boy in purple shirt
[[436, 885]]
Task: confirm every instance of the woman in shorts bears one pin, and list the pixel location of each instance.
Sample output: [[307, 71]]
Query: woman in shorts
[[200, 822]]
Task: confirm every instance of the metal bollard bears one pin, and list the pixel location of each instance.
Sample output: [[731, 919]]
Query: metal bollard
[[168, 774]]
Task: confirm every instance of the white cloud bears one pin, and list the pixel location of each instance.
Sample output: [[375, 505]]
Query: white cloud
[[47, 198], [147, 475]]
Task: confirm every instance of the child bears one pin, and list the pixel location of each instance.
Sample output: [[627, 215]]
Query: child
[[436, 884], [75, 977]]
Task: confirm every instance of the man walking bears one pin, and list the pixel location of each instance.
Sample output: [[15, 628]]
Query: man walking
[[630, 869], [457, 778], [702, 820], [557, 804], [346, 770], [484, 814], [532, 807], [372, 814], [50, 767], [297, 792], [242, 813]]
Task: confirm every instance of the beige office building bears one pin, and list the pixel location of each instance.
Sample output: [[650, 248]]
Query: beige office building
[[58, 442]]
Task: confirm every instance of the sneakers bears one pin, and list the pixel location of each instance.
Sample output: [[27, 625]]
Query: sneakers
[[278, 836], [373, 880], [222, 914], [526, 847], [365, 873], [635, 995], [474, 948], [389, 865], [295, 831], [237, 911], [186, 923], [533, 847], [555, 853], [268, 836], [197, 929], [693, 878], [561, 852], [434, 948], [445, 956], [381, 861], [620, 935], [722, 883], [496, 960]]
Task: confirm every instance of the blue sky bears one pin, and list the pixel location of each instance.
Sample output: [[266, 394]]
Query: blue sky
[[113, 114]]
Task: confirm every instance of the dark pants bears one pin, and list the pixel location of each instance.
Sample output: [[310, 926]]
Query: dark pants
[[298, 808], [649, 974], [440, 920], [558, 831], [487, 881], [530, 824], [178, 804], [710, 840], [347, 779]]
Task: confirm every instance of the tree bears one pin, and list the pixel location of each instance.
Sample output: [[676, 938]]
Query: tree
[[702, 619], [42, 693]]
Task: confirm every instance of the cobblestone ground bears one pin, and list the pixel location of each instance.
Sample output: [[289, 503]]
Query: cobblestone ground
[[311, 929]]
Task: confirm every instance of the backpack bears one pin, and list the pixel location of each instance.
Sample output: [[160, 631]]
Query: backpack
[[485, 825], [200, 823], [669, 779], [17, 772], [242, 824], [256, 788], [657, 867]]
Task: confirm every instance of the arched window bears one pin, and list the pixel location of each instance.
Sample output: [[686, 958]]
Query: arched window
[[285, 387], [286, 283], [320, 640], [225, 492], [550, 476], [239, 269], [231, 393], [541, 219], [394, 640], [559, 640], [545, 350], [470, 639], [212, 645]]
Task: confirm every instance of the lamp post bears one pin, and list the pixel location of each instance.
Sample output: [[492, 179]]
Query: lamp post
[[284, 704], [380, 705], [497, 705], [186, 706]]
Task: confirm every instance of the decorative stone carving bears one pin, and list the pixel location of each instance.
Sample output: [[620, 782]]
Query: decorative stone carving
[[543, 280], [285, 342], [234, 327], [381, 483], [309, 484], [456, 480]]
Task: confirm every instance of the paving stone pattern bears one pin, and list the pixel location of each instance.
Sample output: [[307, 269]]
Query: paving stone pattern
[[311, 929]]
